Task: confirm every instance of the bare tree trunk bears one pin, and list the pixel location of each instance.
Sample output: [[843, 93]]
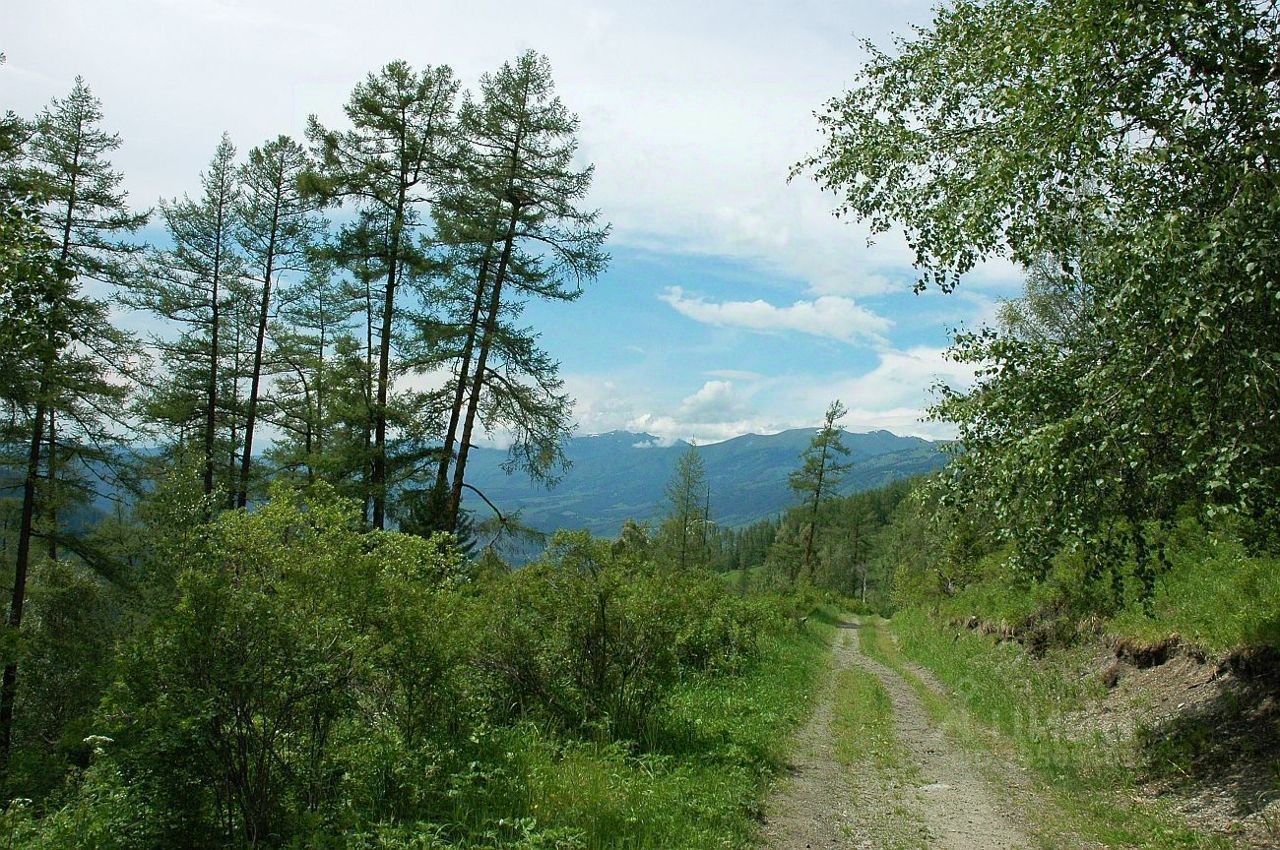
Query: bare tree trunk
[[464, 372], [52, 506], [9, 681], [477, 384], [211, 403]]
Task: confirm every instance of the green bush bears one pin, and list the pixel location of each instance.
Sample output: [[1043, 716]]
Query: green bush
[[313, 684], [590, 639]]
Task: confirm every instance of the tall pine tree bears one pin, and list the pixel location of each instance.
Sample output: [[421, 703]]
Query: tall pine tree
[[819, 475], [390, 162], [64, 374], [534, 240], [277, 226], [192, 285]]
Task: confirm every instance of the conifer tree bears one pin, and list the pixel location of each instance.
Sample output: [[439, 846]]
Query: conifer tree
[[688, 493], [192, 285], [389, 163], [316, 314], [86, 214], [276, 228], [533, 241], [819, 475], [62, 353]]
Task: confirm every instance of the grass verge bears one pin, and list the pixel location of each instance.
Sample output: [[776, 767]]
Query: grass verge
[[1026, 701], [699, 780]]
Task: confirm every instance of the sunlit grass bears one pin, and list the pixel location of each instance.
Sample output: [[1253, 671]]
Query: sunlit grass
[[1025, 700], [697, 782]]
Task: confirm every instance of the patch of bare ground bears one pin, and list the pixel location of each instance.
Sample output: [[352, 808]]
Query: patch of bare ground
[[1203, 732], [822, 804], [940, 799]]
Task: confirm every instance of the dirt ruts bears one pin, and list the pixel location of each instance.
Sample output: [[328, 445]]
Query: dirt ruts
[[939, 800]]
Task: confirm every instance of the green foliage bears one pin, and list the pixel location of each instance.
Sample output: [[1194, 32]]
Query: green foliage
[[1213, 592], [295, 644], [298, 676], [591, 638], [684, 534], [1121, 154]]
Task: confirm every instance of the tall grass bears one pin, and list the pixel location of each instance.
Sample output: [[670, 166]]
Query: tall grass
[[1214, 594], [695, 782], [1210, 589], [1029, 701]]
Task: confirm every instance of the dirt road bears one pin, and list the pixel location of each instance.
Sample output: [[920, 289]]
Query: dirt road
[[939, 799]]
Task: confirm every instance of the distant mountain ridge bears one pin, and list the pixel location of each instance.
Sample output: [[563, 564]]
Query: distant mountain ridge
[[620, 475]]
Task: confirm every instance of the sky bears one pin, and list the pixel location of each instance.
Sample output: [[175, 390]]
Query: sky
[[734, 301]]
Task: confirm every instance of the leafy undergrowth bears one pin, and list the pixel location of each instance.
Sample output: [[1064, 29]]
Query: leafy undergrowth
[[1214, 594], [1210, 590], [695, 779], [699, 779], [1025, 700]]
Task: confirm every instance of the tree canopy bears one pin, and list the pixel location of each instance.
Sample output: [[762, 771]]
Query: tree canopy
[[1124, 153]]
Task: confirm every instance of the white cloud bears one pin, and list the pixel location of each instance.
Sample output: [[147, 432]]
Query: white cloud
[[692, 113], [828, 316], [714, 402], [735, 374], [893, 395], [668, 429]]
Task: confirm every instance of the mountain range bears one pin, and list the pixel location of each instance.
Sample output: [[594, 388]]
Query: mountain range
[[621, 475]]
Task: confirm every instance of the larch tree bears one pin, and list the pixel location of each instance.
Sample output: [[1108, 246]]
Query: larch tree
[[819, 475], [277, 224], [391, 162], [66, 355], [360, 248], [83, 209], [535, 241], [316, 313], [683, 532], [191, 285]]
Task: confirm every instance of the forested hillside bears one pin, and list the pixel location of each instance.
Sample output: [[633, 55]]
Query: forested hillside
[[618, 476]]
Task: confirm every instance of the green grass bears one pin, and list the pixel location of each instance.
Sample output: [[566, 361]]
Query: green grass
[[863, 722], [1214, 595], [733, 578], [698, 782], [1025, 700], [1210, 590]]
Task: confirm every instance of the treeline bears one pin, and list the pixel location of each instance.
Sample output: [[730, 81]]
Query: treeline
[[841, 545], [345, 308]]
